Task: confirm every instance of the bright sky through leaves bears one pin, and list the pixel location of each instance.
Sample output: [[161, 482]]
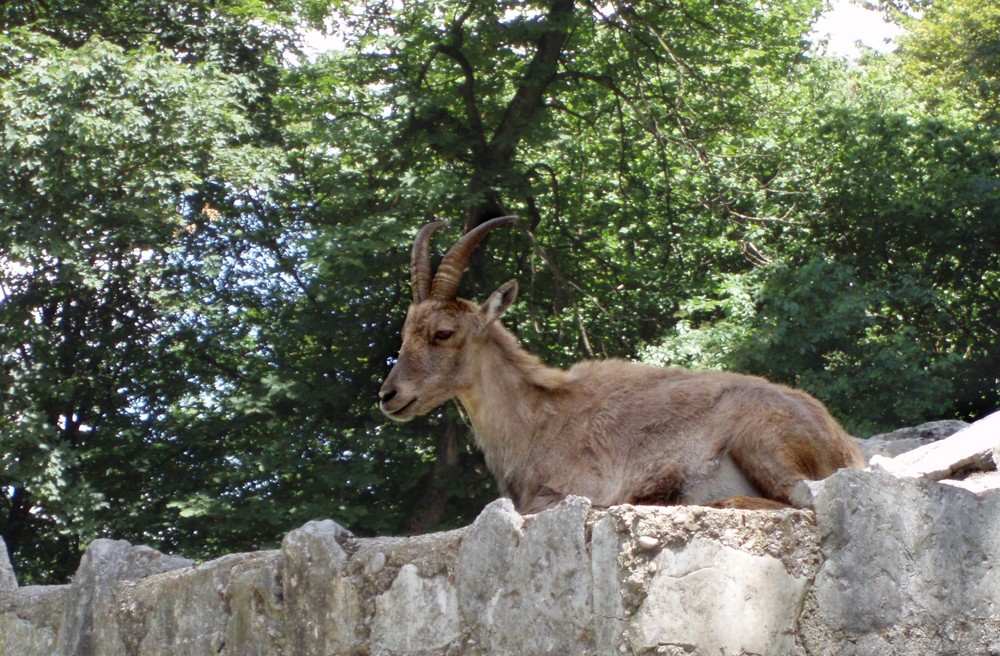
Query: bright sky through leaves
[[843, 25], [846, 24]]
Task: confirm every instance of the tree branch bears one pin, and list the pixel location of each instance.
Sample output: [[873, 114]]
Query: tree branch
[[472, 114], [540, 74]]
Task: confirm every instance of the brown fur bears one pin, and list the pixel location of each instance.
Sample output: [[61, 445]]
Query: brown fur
[[612, 431]]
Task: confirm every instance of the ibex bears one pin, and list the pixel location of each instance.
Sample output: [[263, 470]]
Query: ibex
[[613, 431]]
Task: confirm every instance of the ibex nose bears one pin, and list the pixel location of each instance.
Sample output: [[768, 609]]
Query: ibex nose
[[384, 396]]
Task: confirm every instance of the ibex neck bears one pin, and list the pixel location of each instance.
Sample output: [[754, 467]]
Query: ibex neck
[[510, 389]]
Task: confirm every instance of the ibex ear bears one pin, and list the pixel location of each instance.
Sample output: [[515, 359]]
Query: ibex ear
[[498, 302]]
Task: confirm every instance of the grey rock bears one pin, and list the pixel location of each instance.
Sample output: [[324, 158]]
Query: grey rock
[[931, 431], [18, 636], [7, 579], [889, 563], [323, 613], [89, 625], [30, 618], [973, 449], [256, 609], [718, 581], [609, 568], [544, 604], [180, 612], [484, 560], [910, 567], [396, 629], [892, 444], [718, 599]]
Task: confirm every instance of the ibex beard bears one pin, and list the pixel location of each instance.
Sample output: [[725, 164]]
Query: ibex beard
[[612, 431]]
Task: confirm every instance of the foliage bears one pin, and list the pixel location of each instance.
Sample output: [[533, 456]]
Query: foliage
[[954, 52], [475, 111], [204, 238], [879, 307], [107, 156]]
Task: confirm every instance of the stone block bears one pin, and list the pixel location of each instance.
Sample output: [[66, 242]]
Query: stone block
[[90, 623], [485, 558], [973, 448], [717, 599], [182, 612], [323, 614], [694, 580], [909, 565], [543, 605], [7, 579], [397, 629], [256, 608], [30, 617]]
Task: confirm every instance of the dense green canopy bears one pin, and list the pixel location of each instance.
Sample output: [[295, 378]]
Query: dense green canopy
[[205, 232]]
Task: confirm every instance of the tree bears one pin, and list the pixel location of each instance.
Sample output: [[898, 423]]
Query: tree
[[877, 304], [108, 160], [954, 50], [214, 236], [479, 110]]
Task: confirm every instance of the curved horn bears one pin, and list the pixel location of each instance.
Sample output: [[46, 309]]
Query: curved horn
[[444, 287], [420, 261]]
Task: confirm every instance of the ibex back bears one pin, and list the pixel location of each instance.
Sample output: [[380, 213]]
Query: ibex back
[[613, 431]]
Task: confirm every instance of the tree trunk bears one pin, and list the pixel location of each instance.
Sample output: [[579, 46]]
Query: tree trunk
[[433, 504], [493, 160]]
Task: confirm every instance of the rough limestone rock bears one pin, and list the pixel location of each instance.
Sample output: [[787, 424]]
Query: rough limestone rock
[[7, 579], [900, 441], [30, 618], [483, 560], [545, 589], [90, 623], [693, 580], [972, 449], [898, 559], [322, 607], [909, 567], [192, 610]]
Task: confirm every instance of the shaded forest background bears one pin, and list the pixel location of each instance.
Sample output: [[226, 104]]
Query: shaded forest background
[[204, 237]]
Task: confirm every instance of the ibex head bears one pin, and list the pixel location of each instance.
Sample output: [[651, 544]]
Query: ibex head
[[442, 334]]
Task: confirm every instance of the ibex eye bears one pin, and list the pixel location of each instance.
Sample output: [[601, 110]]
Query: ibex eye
[[442, 335]]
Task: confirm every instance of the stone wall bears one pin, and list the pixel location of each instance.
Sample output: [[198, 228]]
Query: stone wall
[[903, 558]]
